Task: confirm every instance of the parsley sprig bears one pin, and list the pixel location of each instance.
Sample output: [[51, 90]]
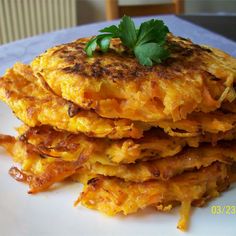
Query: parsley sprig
[[148, 43]]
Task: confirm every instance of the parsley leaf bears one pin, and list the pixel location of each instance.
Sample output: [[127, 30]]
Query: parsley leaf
[[91, 46], [148, 42], [128, 33], [150, 53], [113, 29], [104, 42], [152, 31]]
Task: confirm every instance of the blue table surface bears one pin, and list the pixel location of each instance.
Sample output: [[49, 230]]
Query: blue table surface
[[25, 50]]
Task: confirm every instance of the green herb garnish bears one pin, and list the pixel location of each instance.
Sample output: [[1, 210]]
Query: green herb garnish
[[148, 43]]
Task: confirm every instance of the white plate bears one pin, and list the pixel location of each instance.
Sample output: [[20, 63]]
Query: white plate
[[52, 213]]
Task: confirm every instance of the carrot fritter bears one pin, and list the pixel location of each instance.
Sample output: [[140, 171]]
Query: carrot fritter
[[36, 105], [46, 170], [135, 136], [164, 169], [113, 195], [166, 181], [115, 85], [154, 144]]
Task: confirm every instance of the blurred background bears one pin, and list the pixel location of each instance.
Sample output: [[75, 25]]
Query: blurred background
[[24, 18]]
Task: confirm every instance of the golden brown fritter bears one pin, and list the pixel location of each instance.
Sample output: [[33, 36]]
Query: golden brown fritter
[[36, 105], [113, 195], [165, 169], [44, 170], [135, 136], [154, 144], [69, 147], [194, 78]]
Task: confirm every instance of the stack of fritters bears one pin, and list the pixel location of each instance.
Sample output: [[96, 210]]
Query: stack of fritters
[[135, 136]]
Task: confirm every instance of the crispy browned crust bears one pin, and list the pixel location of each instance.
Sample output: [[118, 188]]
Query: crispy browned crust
[[229, 107], [38, 171], [116, 85]]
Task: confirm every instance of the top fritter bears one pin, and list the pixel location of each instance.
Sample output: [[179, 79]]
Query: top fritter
[[115, 85]]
